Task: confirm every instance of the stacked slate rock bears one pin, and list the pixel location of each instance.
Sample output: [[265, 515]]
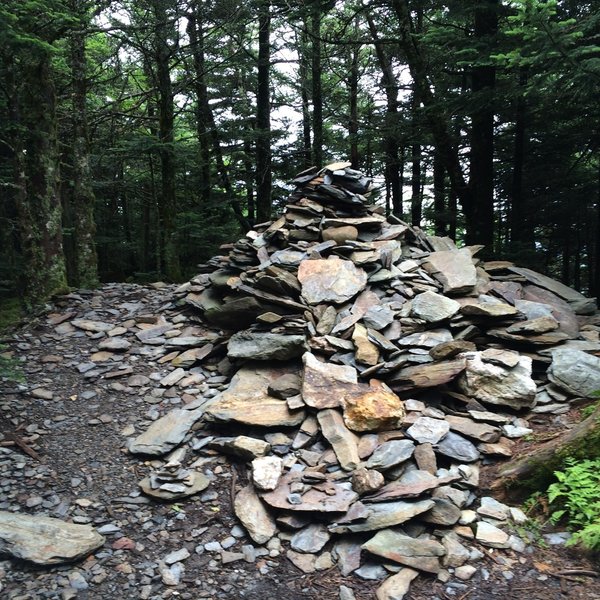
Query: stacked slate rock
[[371, 370]]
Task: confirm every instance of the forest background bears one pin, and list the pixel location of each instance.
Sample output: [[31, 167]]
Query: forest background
[[136, 136]]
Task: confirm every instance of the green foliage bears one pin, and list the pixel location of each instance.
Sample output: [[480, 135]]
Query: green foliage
[[11, 312], [589, 410], [576, 498], [9, 367]]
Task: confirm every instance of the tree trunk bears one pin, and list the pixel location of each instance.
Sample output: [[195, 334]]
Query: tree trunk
[[481, 179], [353, 121], [452, 214], [440, 217], [437, 119], [38, 201], [263, 115], [303, 67], [393, 166], [534, 471], [196, 33], [317, 94], [416, 201], [521, 230], [166, 118], [595, 285], [83, 198]]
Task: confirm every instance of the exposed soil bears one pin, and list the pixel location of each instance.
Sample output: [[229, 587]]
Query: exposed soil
[[78, 468]]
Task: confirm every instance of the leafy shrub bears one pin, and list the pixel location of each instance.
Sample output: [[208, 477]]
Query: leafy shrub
[[576, 495]]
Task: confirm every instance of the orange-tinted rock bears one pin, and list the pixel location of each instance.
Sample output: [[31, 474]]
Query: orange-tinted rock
[[377, 408]]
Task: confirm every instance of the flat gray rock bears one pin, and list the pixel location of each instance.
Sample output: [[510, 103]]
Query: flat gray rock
[[479, 431], [432, 307], [92, 326], [581, 304], [418, 553], [444, 512], [44, 540], [197, 482], [457, 447], [396, 586], [324, 385], [342, 440], [332, 280], [250, 510], [115, 344], [391, 454], [490, 535], [247, 399], [265, 346], [320, 497], [426, 430], [310, 539], [454, 269], [575, 371], [166, 433], [386, 514]]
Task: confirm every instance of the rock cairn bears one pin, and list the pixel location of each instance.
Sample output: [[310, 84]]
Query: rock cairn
[[368, 371]]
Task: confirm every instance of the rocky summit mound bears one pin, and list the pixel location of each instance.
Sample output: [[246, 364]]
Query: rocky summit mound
[[363, 372]]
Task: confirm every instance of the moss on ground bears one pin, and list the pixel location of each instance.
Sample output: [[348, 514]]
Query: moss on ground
[[11, 313]]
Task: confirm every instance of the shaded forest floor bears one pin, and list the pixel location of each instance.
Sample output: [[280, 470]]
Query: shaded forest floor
[[64, 431]]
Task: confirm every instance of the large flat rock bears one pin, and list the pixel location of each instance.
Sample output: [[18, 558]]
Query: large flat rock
[[432, 307], [250, 510], [342, 440], [454, 269], [580, 304], [332, 280], [420, 554], [324, 385], [265, 346], [386, 514], [499, 385], [323, 497], [248, 401], [166, 433], [44, 540], [575, 371]]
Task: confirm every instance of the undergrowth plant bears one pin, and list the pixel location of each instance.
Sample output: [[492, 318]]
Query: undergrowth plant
[[576, 496], [9, 367]]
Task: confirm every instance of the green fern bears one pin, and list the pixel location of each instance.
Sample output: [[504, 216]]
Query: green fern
[[577, 500]]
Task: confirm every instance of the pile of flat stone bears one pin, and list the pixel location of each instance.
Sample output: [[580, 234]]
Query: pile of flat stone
[[368, 371]]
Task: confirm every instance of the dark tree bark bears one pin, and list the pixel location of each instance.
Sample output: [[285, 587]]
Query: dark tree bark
[[595, 268], [393, 168], [535, 470], [440, 217], [303, 69], [196, 33], [82, 197], [37, 175], [416, 201], [167, 207], [353, 121], [520, 225], [249, 179], [481, 178], [452, 214], [434, 113], [317, 93], [263, 115]]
